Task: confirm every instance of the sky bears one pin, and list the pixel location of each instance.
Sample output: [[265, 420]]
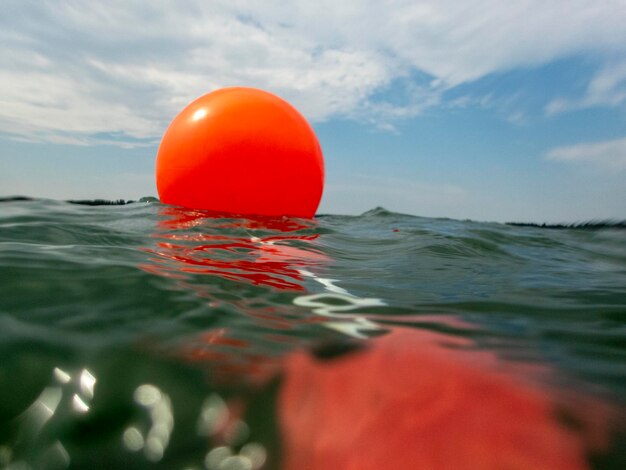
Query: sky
[[469, 109]]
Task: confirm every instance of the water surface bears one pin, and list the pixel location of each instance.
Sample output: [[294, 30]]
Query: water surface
[[150, 336]]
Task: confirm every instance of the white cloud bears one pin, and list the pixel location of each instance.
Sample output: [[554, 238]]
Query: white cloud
[[77, 70], [609, 155], [606, 88]]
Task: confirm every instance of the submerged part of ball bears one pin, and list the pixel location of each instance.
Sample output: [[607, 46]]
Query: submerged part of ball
[[241, 151]]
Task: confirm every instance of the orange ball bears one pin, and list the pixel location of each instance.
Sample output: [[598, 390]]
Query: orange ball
[[241, 151]]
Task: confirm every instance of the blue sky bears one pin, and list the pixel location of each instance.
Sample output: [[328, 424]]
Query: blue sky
[[480, 109]]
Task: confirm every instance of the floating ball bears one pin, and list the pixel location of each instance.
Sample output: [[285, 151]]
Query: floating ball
[[241, 151]]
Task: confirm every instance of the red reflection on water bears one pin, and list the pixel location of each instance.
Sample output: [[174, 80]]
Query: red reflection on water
[[409, 402], [260, 251], [266, 260], [182, 218]]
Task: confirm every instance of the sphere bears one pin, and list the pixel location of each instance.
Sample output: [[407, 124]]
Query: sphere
[[241, 151]]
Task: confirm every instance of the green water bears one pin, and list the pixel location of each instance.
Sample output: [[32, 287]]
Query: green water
[[118, 321]]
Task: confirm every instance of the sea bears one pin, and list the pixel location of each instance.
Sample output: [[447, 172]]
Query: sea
[[143, 335]]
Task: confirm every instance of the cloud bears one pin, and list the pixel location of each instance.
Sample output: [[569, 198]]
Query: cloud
[[606, 88], [609, 155], [80, 71]]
